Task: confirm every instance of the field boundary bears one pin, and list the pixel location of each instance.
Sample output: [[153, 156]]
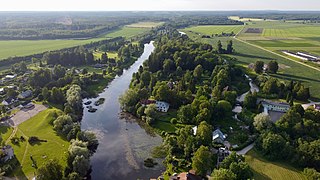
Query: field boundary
[[277, 54]]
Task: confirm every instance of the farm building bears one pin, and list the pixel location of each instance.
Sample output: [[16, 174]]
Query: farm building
[[309, 56], [218, 136], [275, 106], [162, 106]]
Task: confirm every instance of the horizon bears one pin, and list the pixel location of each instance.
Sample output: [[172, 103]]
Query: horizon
[[160, 5]]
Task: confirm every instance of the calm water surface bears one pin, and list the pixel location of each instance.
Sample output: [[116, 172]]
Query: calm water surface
[[123, 144]]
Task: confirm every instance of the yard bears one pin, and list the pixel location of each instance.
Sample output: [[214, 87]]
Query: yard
[[265, 170], [38, 126]]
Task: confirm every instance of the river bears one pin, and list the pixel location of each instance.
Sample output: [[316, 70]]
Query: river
[[123, 143]]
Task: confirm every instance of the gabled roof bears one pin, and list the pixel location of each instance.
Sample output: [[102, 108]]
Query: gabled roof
[[218, 134]]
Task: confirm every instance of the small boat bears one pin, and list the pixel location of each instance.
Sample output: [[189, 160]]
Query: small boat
[[88, 103], [99, 102]]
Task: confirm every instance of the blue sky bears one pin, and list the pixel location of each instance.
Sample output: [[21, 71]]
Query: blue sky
[[137, 5]]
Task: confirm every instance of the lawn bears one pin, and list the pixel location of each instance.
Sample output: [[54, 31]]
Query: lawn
[[265, 170], [214, 29], [5, 133], [55, 147], [97, 55]]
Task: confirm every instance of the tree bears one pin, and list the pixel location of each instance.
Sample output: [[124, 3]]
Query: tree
[[185, 114], [104, 58], [273, 67], [311, 174], [58, 72], [145, 78], [258, 67], [129, 100], [74, 98], [81, 165], [57, 96], [51, 170], [89, 58], [241, 169], [230, 96], [162, 93], [223, 109], [220, 50], [45, 93], [250, 101], [273, 146], [63, 124], [201, 161], [204, 133], [90, 138], [223, 174], [151, 111], [197, 73], [229, 47], [262, 122]]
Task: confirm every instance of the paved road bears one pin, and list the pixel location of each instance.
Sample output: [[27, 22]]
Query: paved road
[[245, 150], [25, 114]]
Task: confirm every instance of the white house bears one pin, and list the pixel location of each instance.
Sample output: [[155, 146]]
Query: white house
[[8, 101], [194, 129], [218, 136], [275, 106], [162, 106], [2, 91]]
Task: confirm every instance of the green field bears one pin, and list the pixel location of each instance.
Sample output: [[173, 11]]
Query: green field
[[55, 147], [128, 32], [265, 170], [246, 54], [5, 133], [29, 47], [210, 30], [97, 55], [146, 24]]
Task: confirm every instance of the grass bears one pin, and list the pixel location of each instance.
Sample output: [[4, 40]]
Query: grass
[[5, 133], [13, 48], [163, 122], [128, 32], [211, 29], [97, 55], [146, 24], [247, 54], [265, 170], [55, 147]]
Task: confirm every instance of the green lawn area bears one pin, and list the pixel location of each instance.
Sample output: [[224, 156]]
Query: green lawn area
[[163, 122], [265, 170], [214, 29], [145, 24], [5, 133], [247, 54], [97, 55], [127, 32], [55, 147]]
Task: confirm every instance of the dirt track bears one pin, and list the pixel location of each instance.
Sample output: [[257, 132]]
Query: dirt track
[[26, 114]]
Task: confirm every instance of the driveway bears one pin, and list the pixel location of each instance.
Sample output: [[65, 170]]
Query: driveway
[[245, 150], [26, 114]]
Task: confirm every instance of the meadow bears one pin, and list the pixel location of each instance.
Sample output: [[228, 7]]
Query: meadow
[[264, 169], [13, 48], [55, 147], [146, 24], [210, 30], [247, 54]]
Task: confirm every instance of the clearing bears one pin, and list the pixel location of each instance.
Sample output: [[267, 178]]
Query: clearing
[[265, 170], [39, 126], [146, 24], [214, 29]]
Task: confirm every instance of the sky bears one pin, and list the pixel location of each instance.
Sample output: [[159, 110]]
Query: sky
[[154, 5]]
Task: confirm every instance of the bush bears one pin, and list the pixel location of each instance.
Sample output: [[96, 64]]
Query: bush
[[174, 121]]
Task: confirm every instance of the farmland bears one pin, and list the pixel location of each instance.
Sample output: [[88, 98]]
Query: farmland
[[39, 126], [264, 169], [246, 54], [145, 24], [209, 30], [13, 48]]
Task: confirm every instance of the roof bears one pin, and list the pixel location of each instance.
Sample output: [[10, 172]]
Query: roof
[[218, 134], [195, 130], [283, 104], [25, 94], [162, 103], [10, 76]]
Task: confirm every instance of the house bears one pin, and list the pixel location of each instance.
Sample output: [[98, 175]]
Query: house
[[222, 154], [194, 129], [2, 91], [191, 175], [317, 107], [162, 106], [7, 152], [8, 101], [218, 136], [10, 76], [146, 102], [275, 106], [25, 94]]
